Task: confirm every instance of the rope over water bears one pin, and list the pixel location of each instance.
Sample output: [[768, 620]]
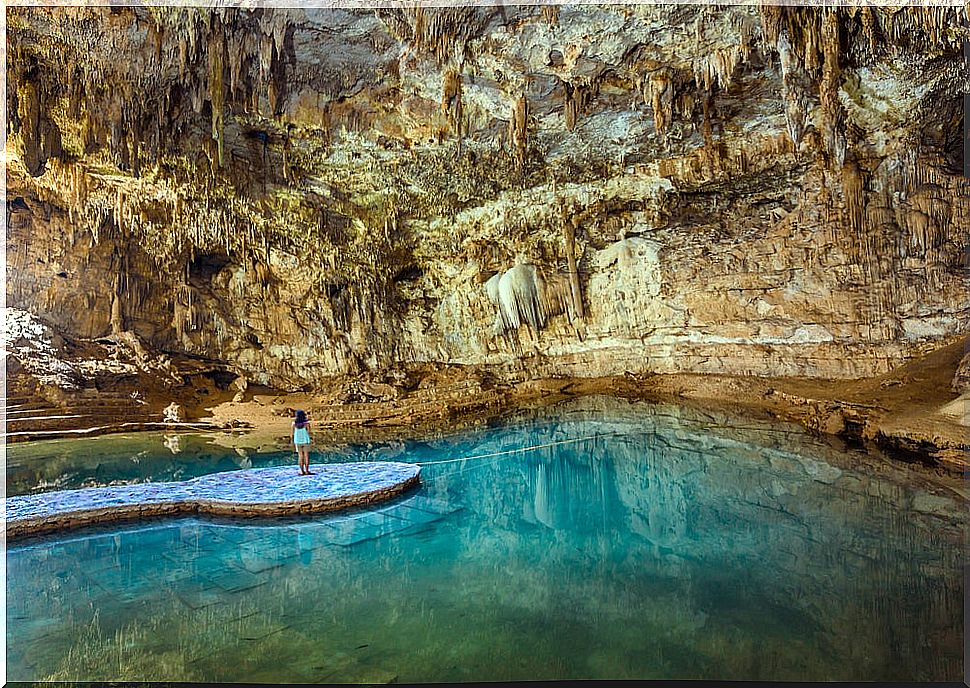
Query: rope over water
[[618, 433], [525, 449]]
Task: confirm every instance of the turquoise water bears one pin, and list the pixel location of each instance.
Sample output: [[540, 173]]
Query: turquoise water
[[674, 545]]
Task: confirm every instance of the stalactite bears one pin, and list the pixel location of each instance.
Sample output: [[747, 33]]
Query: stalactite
[[925, 215], [420, 39], [717, 68], [518, 131], [236, 55], [555, 294], [118, 209], [518, 291], [262, 273], [746, 35], [217, 87], [853, 186], [274, 28], [451, 100], [117, 321], [550, 13], [796, 103], [811, 43], [569, 236], [576, 98], [266, 48], [833, 114], [29, 113], [706, 128], [771, 21], [869, 27], [659, 94]]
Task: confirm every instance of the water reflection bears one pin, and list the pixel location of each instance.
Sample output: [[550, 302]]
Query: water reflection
[[172, 443], [144, 457], [669, 544]]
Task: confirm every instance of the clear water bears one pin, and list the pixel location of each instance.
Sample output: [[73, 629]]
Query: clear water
[[676, 545], [67, 464]]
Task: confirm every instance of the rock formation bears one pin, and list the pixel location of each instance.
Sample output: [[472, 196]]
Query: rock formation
[[302, 194]]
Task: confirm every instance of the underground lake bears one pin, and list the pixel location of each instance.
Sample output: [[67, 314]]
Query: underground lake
[[592, 539]]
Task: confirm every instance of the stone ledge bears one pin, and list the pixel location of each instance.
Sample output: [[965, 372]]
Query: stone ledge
[[276, 491]]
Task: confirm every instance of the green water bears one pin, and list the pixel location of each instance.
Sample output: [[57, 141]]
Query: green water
[[675, 545]]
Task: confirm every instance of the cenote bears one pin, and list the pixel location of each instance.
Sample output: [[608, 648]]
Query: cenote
[[637, 542]]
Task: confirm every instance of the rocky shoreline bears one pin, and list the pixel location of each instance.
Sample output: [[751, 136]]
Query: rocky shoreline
[[911, 413]]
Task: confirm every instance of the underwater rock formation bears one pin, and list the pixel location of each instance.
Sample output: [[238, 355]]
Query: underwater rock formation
[[299, 194]]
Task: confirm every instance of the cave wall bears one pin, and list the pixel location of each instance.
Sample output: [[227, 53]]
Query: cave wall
[[559, 189]]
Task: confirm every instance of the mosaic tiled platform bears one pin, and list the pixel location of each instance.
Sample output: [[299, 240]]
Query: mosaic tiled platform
[[276, 491]]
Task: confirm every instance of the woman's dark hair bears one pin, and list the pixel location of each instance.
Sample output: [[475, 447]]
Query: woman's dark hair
[[301, 420]]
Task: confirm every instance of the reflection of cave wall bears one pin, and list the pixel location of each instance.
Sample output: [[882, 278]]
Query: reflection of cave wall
[[567, 492], [771, 190], [720, 517]]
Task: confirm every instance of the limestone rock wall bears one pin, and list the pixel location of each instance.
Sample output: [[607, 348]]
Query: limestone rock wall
[[559, 189]]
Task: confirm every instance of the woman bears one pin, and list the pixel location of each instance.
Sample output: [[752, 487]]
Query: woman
[[301, 438]]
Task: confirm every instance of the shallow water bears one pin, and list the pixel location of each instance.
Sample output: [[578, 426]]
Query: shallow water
[[673, 545], [67, 464]]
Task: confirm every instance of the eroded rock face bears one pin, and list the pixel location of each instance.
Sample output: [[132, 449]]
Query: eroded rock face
[[961, 379], [304, 194]]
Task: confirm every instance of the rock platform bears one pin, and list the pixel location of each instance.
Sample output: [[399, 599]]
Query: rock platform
[[275, 491]]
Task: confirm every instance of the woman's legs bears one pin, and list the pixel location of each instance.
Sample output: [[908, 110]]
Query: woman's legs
[[306, 458]]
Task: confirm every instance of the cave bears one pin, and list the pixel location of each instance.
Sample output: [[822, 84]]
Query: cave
[[459, 344]]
